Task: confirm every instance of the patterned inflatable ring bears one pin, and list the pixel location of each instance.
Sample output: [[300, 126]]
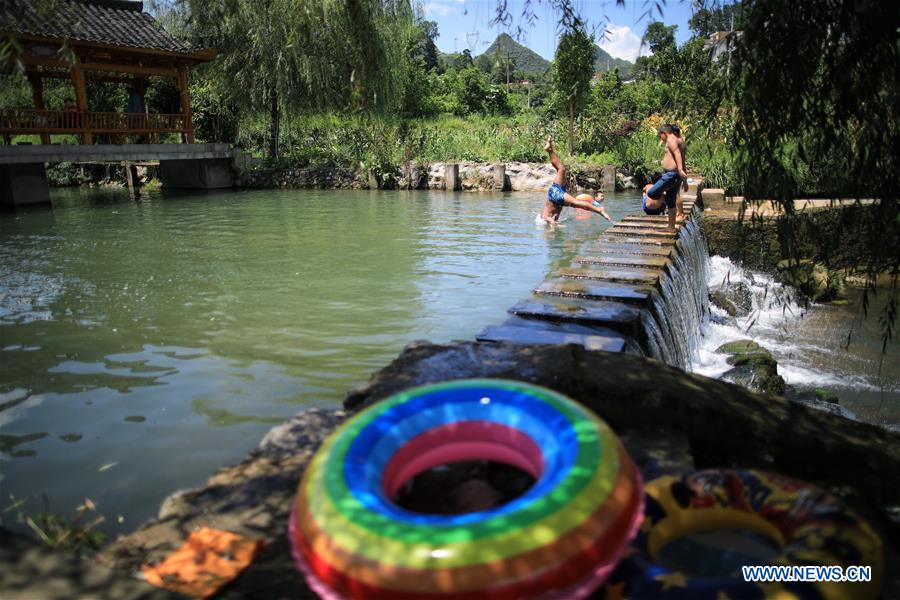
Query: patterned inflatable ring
[[810, 526], [561, 538]]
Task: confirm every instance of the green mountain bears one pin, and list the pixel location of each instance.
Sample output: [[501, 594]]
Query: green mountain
[[603, 62], [530, 63], [526, 60]]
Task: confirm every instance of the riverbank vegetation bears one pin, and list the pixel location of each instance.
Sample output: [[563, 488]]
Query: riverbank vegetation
[[437, 107], [386, 95]]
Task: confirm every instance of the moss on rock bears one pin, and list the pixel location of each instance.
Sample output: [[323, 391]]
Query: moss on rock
[[720, 299], [754, 367], [827, 396], [740, 347]]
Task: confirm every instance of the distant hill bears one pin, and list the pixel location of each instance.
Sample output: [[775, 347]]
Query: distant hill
[[603, 62], [526, 60], [531, 63]]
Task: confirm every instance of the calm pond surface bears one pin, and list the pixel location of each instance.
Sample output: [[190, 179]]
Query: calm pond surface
[[145, 344]]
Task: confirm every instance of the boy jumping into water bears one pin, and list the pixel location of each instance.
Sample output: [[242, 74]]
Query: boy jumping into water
[[557, 197], [664, 192]]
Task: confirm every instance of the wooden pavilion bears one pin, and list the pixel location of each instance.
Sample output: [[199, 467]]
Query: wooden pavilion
[[94, 40]]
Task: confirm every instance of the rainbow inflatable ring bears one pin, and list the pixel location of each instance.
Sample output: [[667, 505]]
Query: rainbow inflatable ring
[[560, 539]]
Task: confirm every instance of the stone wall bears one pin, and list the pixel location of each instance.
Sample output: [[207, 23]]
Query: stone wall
[[836, 237], [520, 177], [319, 178]]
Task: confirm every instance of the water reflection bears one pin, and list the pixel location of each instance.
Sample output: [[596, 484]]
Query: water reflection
[[8, 443]]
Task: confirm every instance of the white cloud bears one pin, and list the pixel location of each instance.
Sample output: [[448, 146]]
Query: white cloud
[[621, 42], [441, 8]]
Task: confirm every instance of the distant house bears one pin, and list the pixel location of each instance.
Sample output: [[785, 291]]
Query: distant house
[[722, 42]]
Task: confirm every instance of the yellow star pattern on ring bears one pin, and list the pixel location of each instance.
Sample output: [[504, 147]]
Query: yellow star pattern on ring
[[670, 580]]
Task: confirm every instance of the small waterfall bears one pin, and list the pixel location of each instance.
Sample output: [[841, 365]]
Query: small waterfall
[[681, 307], [659, 343]]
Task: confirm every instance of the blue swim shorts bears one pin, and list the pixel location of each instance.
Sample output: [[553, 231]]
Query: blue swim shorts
[[556, 194], [668, 184]]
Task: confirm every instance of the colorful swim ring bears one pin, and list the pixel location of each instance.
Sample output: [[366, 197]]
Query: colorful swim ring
[[810, 526], [561, 538]]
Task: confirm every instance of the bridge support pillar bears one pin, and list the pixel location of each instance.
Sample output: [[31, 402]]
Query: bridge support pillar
[[197, 173], [23, 185]]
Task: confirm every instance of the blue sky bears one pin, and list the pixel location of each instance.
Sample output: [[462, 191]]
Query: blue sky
[[466, 24]]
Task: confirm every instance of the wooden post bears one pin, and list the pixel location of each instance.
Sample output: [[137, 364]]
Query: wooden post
[[37, 95], [140, 88], [80, 84], [132, 178], [185, 103]]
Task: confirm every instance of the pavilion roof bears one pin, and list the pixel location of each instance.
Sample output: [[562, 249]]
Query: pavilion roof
[[109, 22]]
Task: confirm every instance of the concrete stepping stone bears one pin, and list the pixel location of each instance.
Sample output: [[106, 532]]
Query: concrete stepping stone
[[646, 219], [562, 326], [644, 225], [659, 242], [617, 316], [615, 274], [624, 260], [529, 335], [639, 232], [591, 290], [640, 249], [633, 220]]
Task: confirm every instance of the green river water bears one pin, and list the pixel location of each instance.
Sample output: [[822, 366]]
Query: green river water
[[145, 344]]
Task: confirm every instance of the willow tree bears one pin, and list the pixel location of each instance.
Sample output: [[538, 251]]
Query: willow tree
[[825, 121], [573, 67], [278, 55]]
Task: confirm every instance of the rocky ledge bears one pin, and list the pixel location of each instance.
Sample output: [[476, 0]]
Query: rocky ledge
[[670, 422], [474, 176]]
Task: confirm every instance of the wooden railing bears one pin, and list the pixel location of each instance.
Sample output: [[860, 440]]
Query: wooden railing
[[24, 121]]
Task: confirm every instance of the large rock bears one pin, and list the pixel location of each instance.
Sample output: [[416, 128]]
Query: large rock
[[625, 182], [754, 367], [720, 299], [724, 423], [739, 295], [812, 279]]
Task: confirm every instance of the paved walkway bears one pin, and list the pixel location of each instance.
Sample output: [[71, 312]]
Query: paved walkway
[[731, 206]]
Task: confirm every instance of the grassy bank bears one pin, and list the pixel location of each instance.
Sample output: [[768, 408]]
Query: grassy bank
[[382, 143]]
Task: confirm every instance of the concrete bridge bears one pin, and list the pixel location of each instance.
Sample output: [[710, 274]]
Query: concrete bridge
[[23, 179]]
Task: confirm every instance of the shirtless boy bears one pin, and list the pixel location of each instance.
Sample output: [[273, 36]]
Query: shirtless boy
[[663, 193], [557, 197], [682, 145]]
